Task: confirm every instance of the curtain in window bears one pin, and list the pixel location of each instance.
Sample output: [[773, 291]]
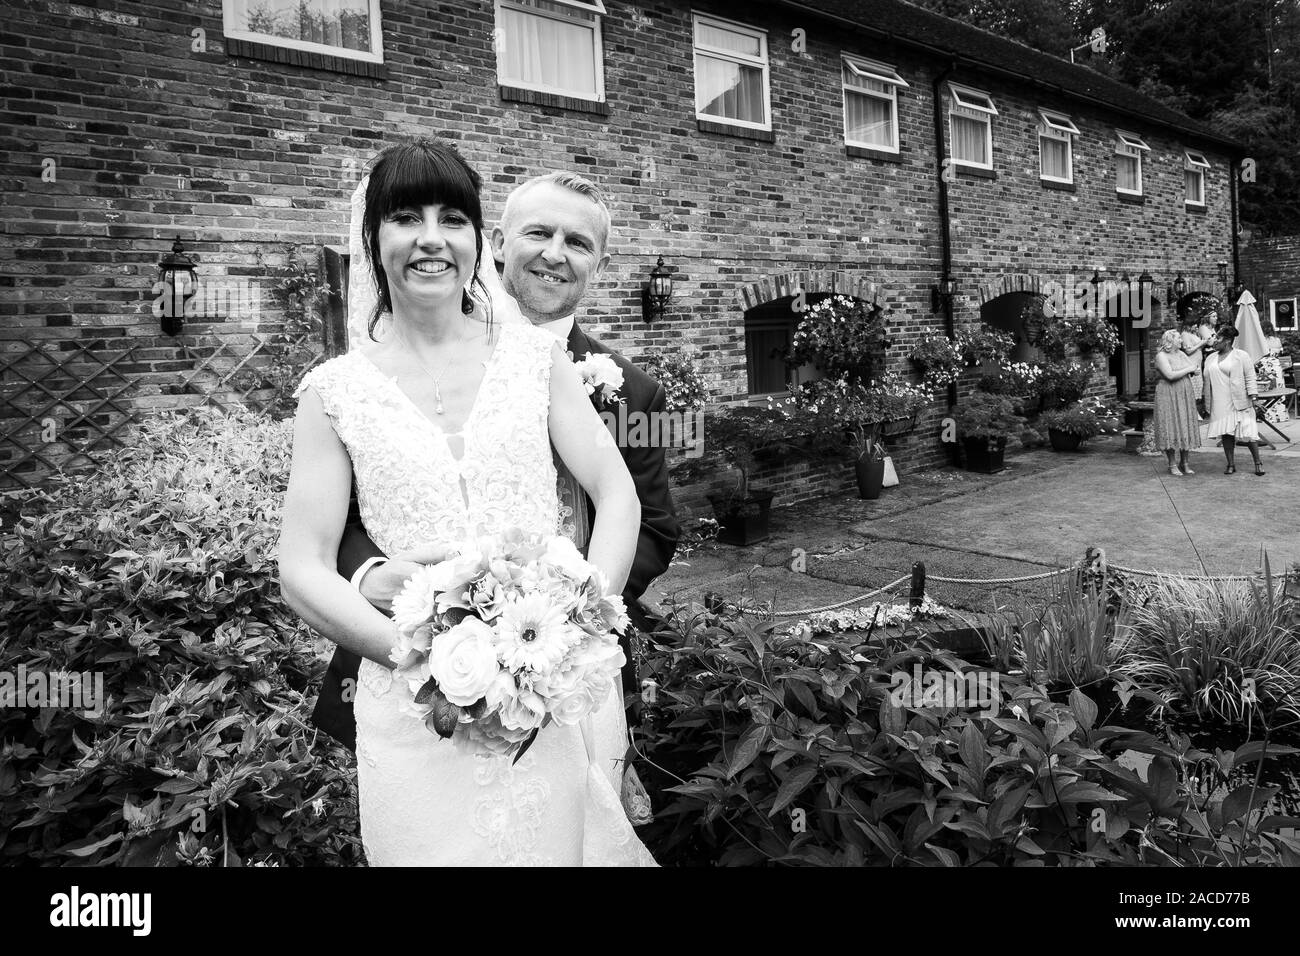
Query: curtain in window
[[969, 142], [1055, 157], [870, 119], [542, 51], [1194, 183], [1128, 173], [727, 40], [341, 23], [730, 90]]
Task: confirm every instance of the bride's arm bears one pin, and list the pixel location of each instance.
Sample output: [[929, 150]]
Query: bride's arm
[[589, 451], [315, 507]]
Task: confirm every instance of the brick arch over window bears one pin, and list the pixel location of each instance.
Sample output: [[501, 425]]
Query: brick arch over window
[[783, 285], [1010, 282]]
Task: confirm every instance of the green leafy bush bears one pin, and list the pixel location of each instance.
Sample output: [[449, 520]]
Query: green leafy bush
[[985, 415], [780, 750], [679, 373], [158, 573]]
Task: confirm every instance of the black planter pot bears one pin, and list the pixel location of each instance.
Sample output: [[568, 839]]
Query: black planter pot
[[1064, 441], [742, 522], [871, 476], [984, 454]]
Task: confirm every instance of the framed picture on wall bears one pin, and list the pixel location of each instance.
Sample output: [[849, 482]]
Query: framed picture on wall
[[1282, 313]]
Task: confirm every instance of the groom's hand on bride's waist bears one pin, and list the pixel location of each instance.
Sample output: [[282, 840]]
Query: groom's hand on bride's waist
[[384, 580]]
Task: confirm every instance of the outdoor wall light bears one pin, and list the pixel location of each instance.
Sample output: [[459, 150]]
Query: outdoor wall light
[[657, 293], [1223, 272], [1145, 285], [177, 284], [1177, 290], [943, 292]]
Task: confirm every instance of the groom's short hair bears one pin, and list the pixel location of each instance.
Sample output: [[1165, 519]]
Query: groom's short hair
[[574, 183]]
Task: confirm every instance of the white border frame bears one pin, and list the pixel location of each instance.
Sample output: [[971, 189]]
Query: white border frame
[[881, 73], [971, 111], [1295, 315], [1130, 145], [598, 46], [763, 61], [1057, 127], [266, 39], [1195, 163]]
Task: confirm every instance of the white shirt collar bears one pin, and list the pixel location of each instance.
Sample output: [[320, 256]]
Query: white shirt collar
[[560, 328]]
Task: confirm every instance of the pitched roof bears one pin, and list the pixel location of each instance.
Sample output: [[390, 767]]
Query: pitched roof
[[911, 26]]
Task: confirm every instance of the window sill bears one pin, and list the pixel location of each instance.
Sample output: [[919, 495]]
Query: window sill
[[974, 172], [1059, 187], [741, 132], [1131, 198], [515, 94], [865, 152], [312, 61], [1194, 208]]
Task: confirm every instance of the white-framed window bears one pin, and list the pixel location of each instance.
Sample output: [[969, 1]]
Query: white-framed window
[[1282, 313], [551, 46], [731, 74], [1194, 168], [1055, 147], [970, 127], [343, 28], [1129, 148], [870, 103]]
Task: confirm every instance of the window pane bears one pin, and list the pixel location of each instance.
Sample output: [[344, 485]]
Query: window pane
[[1055, 157], [723, 39], [969, 142], [1194, 186], [1128, 172], [765, 358], [729, 90], [341, 23], [869, 120], [546, 52]]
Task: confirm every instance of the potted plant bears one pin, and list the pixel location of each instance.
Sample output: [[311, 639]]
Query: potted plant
[[736, 437], [939, 359], [1069, 427], [1090, 334], [984, 346], [847, 412], [1063, 383], [1021, 381], [984, 421], [840, 335]]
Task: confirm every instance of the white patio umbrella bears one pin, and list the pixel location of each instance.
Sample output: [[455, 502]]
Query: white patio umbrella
[[1251, 336]]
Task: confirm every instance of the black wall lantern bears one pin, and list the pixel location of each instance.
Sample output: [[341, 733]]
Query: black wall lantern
[[941, 293], [1178, 290], [657, 293], [1146, 285], [179, 284], [1223, 272]]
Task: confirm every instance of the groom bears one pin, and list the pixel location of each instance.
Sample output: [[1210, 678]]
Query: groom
[[552, 240]]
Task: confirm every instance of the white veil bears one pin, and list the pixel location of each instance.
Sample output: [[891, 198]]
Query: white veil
[[361, 281]]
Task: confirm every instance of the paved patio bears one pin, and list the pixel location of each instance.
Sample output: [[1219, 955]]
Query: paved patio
[[1041, 513]]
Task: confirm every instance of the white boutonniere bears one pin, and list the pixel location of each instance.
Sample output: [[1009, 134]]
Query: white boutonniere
[[602, 377]]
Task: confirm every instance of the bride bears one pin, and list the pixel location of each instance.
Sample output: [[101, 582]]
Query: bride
[[446, 427]]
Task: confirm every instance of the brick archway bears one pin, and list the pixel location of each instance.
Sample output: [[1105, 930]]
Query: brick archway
[[811, 281], [1010, 282]]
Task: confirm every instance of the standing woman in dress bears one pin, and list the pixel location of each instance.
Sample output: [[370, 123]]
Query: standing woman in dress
[[1177, 426], [1230, 390], [1197, 339]]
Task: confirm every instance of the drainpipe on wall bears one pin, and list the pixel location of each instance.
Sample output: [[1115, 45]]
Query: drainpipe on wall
[[1236, 249], [945, 223]]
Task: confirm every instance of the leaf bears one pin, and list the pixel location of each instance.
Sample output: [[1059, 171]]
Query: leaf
[[792, 786], [946, 857], [1084, 710], [88, 846], [974, 753], [523, 748], [1236, 803], [746, 750], [426, 692], [1006, 808]]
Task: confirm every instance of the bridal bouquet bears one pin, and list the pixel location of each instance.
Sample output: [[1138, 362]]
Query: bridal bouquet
[[505, 636]]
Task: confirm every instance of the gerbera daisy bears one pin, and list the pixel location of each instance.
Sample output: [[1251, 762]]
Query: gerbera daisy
[[532, 633]]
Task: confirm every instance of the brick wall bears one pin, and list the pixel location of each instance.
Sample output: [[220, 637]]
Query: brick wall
[[1270, 268], [246, 158]]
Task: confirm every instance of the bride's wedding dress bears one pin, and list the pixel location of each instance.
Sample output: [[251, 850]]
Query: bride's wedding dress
[[422, 802]]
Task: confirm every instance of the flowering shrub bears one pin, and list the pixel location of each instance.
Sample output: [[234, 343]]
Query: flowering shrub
[[838, 405], [1085, 419], [984, 415], [838, 335], [1062, 383], [868, 617], [736, 437], [160, 576], [939, 360], [984, 344], [679, 373], [1087, 333], [1018, 379]]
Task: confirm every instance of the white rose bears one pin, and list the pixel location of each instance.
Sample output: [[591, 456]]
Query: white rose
[[463, 661], [570, 710], [525, 711]]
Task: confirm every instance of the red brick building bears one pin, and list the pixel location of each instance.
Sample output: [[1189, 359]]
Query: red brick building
[[744, 143]]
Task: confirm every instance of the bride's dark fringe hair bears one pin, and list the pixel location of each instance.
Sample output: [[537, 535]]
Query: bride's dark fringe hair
[[426, 172]]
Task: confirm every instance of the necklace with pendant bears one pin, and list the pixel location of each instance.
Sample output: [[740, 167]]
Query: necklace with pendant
[[437, 379]]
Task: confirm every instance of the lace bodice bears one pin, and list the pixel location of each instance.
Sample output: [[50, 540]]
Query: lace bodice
[[411, 489]]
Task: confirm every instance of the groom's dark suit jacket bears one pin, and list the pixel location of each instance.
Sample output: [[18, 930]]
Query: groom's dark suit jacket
[[654, 547]]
